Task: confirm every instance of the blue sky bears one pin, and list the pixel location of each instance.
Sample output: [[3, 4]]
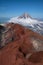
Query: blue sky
[[11, 8]]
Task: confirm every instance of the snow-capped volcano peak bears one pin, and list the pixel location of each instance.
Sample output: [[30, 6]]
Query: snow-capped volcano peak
[[25, 15], [24, 20], [28, 21]]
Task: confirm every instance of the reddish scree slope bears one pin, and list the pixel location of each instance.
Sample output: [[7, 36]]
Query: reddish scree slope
[[15, 52]]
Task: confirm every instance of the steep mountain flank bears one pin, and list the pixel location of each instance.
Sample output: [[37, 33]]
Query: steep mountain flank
[[20, 46]]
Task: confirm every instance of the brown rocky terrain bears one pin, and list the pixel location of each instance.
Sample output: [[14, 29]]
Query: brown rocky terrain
[[20, 46]]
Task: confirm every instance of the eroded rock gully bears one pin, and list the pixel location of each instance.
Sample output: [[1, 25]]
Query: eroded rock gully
[[23, 47]]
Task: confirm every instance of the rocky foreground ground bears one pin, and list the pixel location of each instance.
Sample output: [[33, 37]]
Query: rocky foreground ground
[[20, 46]]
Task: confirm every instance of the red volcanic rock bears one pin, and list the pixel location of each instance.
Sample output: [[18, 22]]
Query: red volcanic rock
[[36, 57], [24, 49]]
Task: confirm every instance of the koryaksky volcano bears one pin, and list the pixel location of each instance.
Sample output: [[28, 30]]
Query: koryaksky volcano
[[28, 21]]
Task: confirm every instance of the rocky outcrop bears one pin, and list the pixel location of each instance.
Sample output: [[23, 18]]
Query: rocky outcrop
[[21, 46], [2, 29]]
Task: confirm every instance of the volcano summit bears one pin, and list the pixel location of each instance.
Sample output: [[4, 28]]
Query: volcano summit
[[28, 21]]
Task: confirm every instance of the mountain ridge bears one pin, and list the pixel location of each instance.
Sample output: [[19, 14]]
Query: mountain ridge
[[20, 46]]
